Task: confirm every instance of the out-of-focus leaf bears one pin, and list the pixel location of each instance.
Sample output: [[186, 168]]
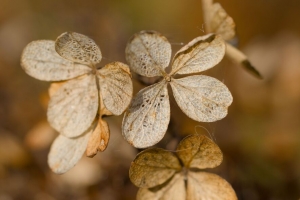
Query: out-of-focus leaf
[[203, 185], [66, 152], [173, 190], [153, 167], [198, 151]]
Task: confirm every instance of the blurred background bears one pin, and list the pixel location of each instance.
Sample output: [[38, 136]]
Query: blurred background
[[260, 137]]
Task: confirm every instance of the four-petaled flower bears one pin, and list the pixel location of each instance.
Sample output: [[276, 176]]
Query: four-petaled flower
[[76, 107], [161, 174], [200, 97]]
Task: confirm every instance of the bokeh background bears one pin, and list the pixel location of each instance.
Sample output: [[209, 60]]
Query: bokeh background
[[260, 137]]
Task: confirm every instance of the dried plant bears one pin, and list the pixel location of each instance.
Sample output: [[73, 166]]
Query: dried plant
[[77, 105], [161, 174], [200, 97], [216, 20]]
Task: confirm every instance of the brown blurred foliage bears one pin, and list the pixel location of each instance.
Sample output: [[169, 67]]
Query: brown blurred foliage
[[260, 138]]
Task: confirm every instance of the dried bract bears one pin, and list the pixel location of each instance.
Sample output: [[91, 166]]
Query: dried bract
[[217, 21], [77, 105], [202, 98], [160, 174]]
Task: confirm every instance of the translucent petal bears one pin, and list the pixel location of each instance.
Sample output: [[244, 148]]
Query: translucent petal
[[153, 167], [202, 98], [200, 54], [98, 140], [78, 48], [198, 151], [217, 21], [172, 190], [146, 121], [202, 185], [73, 107], [40, 60], [66, 152], [148, 53], [241, 59], [115, 87]]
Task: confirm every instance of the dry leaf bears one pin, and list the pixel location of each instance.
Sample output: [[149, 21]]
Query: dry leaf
[[99, 139], [148, 116], [217, 21], [74, 103], [162, 175]]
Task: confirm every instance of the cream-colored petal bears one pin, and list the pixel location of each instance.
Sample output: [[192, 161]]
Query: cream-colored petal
[[153, 167], [146, 121], [148, 53], [73, 107], [198, 151], [40, 60], [115, 87], [172, 190], [241, 59], [98, 140], [78, 48], [200, 54], [202, 98], [216, 20], [66, 152], [207, 186]]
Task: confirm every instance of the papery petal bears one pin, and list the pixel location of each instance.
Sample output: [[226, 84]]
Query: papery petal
[[146, 121], [73, 107], [40, 60], [202, 98]]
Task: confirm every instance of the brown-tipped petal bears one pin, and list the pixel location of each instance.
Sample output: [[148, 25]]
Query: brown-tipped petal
[[200, 54]]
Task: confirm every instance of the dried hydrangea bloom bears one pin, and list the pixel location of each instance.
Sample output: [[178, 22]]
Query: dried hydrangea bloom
[[161, 174], [200, 97], [216, 20], [77, 104]]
